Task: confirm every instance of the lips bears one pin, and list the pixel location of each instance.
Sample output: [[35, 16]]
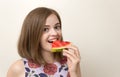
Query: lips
[[52, 40]]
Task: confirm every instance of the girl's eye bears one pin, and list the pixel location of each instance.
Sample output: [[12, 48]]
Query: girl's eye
[[46, 29], [57, 27]]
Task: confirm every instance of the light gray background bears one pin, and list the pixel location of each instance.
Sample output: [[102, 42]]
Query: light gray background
[[92, 25]]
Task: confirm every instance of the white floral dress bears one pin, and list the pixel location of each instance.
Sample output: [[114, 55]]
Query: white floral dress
[[49, 70]]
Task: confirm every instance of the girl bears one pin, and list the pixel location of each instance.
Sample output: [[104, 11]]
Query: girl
[[41, 27]]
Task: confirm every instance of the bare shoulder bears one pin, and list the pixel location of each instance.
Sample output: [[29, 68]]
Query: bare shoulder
[[16, 69]]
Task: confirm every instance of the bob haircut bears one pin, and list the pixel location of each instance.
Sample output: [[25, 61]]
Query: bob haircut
[[29, 45]]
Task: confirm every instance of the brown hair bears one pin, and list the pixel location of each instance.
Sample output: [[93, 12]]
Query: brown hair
[[29, 46]]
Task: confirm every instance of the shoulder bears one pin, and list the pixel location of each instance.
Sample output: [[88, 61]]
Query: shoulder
[[16, 69]]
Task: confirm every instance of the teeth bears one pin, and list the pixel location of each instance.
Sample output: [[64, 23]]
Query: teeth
[[50, 41]]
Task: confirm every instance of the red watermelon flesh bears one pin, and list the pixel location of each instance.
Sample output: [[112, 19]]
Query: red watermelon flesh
[[58, 46]]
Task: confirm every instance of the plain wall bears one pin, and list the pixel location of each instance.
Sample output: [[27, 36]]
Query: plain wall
[[92, 25]]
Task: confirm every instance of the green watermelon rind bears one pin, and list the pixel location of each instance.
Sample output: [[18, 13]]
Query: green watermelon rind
[[57, 50]]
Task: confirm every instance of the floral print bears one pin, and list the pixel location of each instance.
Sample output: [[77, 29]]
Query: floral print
[[32, 64], [55, 70], [63, 60], [43, 75], [50, 69]]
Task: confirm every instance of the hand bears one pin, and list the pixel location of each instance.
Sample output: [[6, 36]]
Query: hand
[[73, 58]]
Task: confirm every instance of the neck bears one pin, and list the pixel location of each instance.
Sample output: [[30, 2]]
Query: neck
[[48, 56]]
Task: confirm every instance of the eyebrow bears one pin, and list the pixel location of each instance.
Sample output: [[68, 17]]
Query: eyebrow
[[54, 25], [47, 25], [57, 24]]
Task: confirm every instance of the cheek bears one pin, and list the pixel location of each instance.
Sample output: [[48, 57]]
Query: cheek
[[43, 38], [60, 35]]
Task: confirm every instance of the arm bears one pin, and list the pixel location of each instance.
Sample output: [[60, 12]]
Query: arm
[[77, 73], [73, 60], [16, 69]]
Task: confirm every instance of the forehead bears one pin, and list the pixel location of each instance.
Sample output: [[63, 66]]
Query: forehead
[[52, 20]]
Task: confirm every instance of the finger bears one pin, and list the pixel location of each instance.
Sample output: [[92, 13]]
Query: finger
[[72, 60], [70, 55], [75, 49]]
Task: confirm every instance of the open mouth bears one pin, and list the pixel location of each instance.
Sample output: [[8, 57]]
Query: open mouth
[[52, 40]]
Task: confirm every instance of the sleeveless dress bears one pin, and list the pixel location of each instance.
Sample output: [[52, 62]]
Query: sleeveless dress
[[49, 70]]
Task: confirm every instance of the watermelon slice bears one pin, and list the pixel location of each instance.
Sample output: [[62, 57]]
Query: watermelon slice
[[58, 46]]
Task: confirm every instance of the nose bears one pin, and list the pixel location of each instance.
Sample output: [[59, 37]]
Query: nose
[[53, 32]]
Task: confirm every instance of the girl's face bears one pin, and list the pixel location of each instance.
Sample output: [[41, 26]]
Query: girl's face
[[52, 32]]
